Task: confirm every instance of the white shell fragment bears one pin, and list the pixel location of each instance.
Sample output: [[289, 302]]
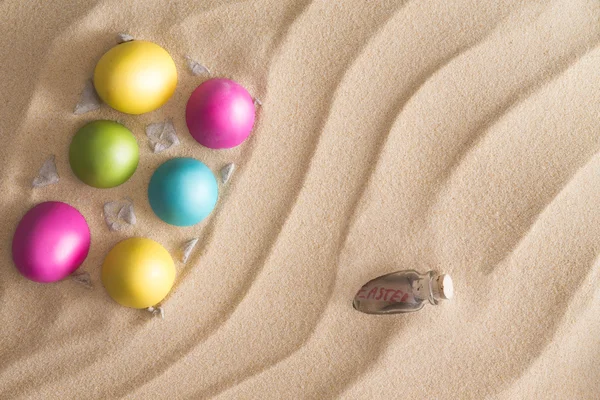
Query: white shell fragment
[[48, 175], [124, 37], [257, 103], [83, 278], [226, 172], [126, 214], [162, 136], [196, 68], [187, 248], [157, 312], [119, 214], [88, 100]]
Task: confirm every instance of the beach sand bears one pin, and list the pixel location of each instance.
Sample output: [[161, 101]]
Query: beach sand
[[458, 135]]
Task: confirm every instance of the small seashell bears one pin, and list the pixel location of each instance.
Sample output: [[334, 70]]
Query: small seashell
[[157, 312], [83, 278], [196, 68], [119, 214], [88, 100], [162, 136], [187, 248], [48, 175], [124, 37], [226, 172]]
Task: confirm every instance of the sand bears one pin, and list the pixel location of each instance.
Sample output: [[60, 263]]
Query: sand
[[458, 135]]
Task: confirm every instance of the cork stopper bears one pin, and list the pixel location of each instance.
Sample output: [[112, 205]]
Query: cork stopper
[[442, 287]]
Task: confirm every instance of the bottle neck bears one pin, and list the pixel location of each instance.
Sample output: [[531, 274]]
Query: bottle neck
[[433, 287]]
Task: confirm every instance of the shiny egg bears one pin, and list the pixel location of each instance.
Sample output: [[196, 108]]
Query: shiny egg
[[135, 77], [103, 154], [138, 272], [183, 191], [220, 114], [51, 241]]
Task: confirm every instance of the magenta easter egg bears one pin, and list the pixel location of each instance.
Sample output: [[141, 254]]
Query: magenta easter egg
[[220, 114], [51, 241]]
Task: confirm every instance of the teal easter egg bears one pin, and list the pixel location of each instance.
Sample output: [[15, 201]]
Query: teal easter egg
[[183, 191], [103, 154]]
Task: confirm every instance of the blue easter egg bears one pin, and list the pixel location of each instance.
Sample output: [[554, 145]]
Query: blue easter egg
[[183, 191]]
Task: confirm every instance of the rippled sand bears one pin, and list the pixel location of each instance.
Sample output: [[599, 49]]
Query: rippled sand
[[460, 135]]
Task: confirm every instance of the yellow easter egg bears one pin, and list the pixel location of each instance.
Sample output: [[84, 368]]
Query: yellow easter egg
[[135, 77], [138, 272]]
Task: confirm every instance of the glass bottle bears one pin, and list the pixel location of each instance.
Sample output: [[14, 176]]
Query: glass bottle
[[403, 291]]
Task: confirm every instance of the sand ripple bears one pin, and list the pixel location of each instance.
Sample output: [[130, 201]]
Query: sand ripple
[[453, 135]]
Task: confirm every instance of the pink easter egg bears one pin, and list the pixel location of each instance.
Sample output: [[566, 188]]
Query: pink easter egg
[[220, 114], [51, 241]]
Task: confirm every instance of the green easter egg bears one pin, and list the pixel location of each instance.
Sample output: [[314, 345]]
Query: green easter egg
[[103, 154]]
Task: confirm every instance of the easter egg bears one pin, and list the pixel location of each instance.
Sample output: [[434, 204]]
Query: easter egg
[[138, 272], [103, 154], [51, 241], [183, 191], [135, 77], [220, 114]]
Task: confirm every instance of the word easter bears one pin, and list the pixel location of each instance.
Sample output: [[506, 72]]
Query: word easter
[[391, 295]]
